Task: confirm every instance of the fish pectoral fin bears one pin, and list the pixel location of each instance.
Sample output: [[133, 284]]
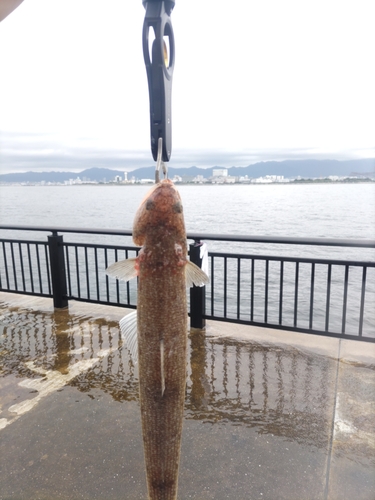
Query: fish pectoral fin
[[195, 275], [123, 270], [128, 327]]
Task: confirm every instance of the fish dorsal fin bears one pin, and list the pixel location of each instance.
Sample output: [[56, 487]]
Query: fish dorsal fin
[[194, 275], [128, 327], [123, 270]]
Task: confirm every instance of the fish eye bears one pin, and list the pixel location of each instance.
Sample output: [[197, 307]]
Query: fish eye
[[150, 205], [177, 207]]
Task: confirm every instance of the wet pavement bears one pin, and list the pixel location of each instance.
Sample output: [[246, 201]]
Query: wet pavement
[[268, 414]]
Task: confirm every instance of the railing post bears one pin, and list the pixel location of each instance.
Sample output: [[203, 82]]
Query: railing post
[[58, 275], [197, 293]]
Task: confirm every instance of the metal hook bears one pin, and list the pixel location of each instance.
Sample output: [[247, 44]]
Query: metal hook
[[160, 163], [159, 62]]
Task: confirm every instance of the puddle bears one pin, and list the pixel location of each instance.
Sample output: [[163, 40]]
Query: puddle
[[278, 391]]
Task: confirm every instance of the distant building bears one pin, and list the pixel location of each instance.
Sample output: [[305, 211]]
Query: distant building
[[77, 180], [223, 179], [268, 179], [187, 178], [117, 178], [244, 179], [220, 172], [125, 177], [199, 179], [146, 181]]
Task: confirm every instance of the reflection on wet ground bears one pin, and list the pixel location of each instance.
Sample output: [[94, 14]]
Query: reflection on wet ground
[[263, 419]]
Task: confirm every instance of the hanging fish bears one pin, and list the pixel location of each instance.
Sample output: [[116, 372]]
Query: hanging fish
[[157, 332]]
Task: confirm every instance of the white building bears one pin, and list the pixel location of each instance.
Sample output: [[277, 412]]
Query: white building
[[269, 179], [220, 172], [199, 179]]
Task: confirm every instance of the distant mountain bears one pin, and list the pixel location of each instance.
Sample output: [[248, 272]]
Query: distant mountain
[[306, 168], [287, 168], [90, 174]]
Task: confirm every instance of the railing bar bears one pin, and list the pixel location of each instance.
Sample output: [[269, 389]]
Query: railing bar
[[212, 285], [252, 291], [312, 295], [48, 269], [68, 269], [328, 300], [266, 292], [225, 287], [362, 307], [127, 283], [345, 299], [1, 282], [6, 265], [363, 243], [31, 294], [17, 240], [22, 266], [238, 288], [87, 273], [301, 260], [77, 272], [30, 267], [296, 295], [281, 292], [106, 276], [97, 274], [14, 266], [117, 281], [101, 246]]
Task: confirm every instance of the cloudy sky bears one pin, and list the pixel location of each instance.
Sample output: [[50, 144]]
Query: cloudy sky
[[253, 81]]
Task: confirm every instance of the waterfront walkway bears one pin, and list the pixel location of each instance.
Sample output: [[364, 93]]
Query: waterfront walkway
[[268, 415]]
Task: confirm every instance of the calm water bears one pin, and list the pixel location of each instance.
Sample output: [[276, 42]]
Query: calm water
[[334, 211]]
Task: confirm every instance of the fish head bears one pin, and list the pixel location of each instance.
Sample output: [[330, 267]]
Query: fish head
[[160, 214]]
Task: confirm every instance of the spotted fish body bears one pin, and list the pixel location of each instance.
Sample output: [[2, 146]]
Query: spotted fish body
[[164, 272]]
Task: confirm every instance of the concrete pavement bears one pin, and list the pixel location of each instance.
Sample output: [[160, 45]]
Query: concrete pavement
[[268, 414]]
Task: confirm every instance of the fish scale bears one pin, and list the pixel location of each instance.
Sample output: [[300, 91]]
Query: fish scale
[[162, 413]]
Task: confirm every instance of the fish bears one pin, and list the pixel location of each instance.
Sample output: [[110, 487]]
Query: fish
[[156, 333]]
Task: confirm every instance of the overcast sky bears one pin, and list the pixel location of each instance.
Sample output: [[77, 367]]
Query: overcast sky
[[253, 80]]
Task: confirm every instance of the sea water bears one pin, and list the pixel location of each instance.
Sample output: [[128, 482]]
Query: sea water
[[287, 210]]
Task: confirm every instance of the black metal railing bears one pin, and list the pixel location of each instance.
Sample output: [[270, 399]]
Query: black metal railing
[[313, 295], [86, 278], [25, 267]]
